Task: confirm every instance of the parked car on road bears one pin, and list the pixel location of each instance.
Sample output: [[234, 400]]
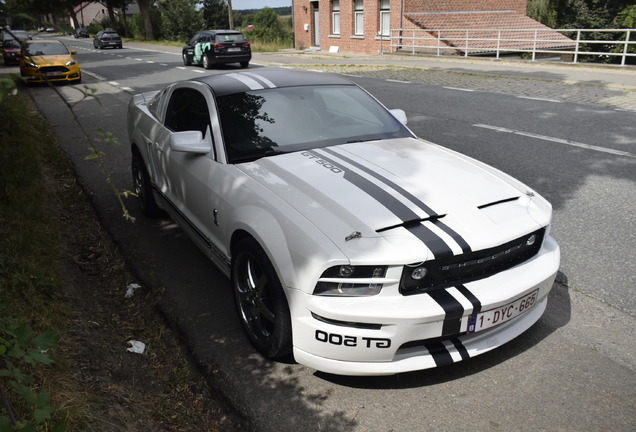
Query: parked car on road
[[48, 60], [349, 242], [80, 33], [212, 47], [106, 38], [10, 50]]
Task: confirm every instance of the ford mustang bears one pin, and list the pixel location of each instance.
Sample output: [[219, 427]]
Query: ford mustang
[[349, 242]]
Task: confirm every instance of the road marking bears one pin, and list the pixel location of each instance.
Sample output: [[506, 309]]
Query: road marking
[[316, 70], [398, 81], [163, 64], [181, 67], [558, 140], [197, 71], [626, 110], [540, 99], [115, 83], [149, 61], [139, 59], [460, 89], [127, 89]]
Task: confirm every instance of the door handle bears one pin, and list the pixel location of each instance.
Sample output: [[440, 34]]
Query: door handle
[[159, 146]]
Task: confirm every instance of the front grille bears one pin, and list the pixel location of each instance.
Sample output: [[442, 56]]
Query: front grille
[[451, 271], [46, 69]]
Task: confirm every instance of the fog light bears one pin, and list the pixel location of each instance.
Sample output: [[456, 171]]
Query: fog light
[[531, 240], [346, 271], [418, 273]]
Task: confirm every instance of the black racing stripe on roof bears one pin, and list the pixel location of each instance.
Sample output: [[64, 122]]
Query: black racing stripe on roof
[[221, 84]]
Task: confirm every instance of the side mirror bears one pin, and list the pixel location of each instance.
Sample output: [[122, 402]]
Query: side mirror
[[400, 115], [73, 52], [189, 141]]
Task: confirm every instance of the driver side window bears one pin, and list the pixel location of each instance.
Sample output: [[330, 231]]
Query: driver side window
[[188, 111]]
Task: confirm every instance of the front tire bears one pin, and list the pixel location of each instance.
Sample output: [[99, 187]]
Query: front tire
[[186, 61], [260, 300], [143, 189]]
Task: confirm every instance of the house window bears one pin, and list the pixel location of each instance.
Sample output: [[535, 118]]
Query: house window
[[335, 17], [358, 17], [385, 23]]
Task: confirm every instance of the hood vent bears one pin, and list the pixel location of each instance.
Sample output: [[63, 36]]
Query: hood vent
[[410, 223], [481, 207]]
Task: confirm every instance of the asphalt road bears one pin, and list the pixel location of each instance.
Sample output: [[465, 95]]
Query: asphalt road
[[575, 370]]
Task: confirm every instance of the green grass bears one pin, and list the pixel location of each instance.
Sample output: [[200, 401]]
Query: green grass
[[30, 284], [257, 46]]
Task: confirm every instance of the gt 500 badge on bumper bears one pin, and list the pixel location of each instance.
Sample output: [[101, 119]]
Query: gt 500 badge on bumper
[[352, 341]]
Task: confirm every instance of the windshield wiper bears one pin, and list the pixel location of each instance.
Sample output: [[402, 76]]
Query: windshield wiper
[[254, 157]]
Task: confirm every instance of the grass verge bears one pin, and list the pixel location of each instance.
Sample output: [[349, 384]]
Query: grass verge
[[59, 269]]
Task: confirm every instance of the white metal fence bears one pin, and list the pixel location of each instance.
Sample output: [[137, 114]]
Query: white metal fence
[[502, 41]]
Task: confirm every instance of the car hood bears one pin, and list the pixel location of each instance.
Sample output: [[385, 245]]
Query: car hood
[[380, 188], [51, 60]]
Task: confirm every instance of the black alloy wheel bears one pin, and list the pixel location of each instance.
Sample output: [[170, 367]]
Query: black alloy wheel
[[143, 189], [260, 301]]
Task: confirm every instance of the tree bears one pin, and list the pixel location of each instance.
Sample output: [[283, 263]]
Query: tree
[[180, 19], [215, 14]]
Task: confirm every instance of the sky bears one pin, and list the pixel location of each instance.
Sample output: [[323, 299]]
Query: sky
[[259, 4]]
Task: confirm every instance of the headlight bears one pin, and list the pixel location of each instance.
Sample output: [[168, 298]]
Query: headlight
[[32, 65], [71, 63], [350, 281]]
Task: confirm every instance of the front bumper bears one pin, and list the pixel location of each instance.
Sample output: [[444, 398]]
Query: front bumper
[[33, 76], [390, 333]]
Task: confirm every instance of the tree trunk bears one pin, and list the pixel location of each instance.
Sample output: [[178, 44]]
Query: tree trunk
[[144, 7], [229, 9], [111, 15]]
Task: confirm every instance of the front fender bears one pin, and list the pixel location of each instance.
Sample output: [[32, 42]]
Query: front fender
[[297, 249]]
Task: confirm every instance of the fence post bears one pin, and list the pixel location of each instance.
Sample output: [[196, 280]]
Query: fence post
[[466, 52], [413, 42], [498, 43], [439, 39], [534, 46], [627, 38], [576, 50]]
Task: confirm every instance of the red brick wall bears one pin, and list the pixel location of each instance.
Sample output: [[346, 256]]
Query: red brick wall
[[369, 43]]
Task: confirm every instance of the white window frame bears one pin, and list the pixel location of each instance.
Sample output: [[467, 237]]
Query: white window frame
[[335, 17], [358, 17], [385, 18]]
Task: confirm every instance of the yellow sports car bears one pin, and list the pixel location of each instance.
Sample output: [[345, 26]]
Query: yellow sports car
[[48, 60]]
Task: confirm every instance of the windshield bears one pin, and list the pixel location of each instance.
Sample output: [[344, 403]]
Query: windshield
[[284, 120], [11, 43], [45, 48]]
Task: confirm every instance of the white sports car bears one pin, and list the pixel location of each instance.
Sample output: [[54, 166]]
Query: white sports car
[[349, 242]]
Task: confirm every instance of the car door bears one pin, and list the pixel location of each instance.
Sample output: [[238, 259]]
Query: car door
[[188, 180]]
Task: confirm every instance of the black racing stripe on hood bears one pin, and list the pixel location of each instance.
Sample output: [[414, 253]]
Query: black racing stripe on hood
[[394, 205], [387, 182], [432, 241], [459, 239]]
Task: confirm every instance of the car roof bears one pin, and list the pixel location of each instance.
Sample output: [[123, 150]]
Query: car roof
[[221, 31], [241, 82]]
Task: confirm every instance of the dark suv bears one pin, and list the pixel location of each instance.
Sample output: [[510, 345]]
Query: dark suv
[[211, 47], [81, 33], [107, 38]]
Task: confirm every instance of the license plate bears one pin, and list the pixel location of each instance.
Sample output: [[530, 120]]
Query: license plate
[[233, 49], [494, 317], [53, 73]]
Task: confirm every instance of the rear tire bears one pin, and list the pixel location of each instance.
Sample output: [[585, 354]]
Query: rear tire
[[143, 189], [260, 301], [206, 62], [245, 64], [186, 61]]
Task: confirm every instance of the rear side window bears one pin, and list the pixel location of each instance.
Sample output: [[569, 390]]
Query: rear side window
[[188, 111]]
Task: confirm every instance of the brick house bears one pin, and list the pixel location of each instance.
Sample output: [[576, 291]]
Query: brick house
[[363, 26]]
